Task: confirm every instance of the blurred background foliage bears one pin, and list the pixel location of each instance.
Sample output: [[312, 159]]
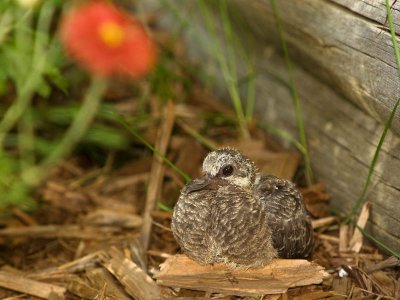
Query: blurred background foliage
[[41, 93], [30, 64]]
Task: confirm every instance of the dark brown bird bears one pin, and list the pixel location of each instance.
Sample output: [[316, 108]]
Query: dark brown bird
[[234, 215]]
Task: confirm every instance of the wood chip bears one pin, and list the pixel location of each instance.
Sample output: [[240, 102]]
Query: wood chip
[[106, 217], [369, 256], [135, 281], [356, 241], [24, 285], [100, 278], [81, 263], [275, 278], [157, 172], [158, 253], [77, 265], [315, 193], [327, 237], [387, 263], [341, 285], [20, 296], [343, 238], [323, 222], [82, 289]]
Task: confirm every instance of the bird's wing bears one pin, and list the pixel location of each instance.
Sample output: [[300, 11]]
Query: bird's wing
[[289, 221], [240, 228], [190, 226]]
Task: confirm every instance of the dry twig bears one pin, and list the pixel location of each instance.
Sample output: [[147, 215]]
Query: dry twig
[[387, 263], [344, 238], [356, 241], [157, 172], [136, 282], [60, 231], [20, 283], [323, 222]]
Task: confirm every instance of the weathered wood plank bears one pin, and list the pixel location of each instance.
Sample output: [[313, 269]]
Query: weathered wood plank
[[347, 50], [375, 10]]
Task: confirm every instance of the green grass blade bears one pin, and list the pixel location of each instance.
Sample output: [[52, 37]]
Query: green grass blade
[[294, 94], [200, 138], [371, 168], [164, 207], [226, 64], [120, 119], [388, 123], [251, 92], [283, 134], [376, 241], [393, 35]]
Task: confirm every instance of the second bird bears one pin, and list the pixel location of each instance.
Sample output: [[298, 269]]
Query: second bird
[[233, 214]]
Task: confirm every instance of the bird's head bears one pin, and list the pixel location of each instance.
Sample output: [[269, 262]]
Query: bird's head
[[223, 167]]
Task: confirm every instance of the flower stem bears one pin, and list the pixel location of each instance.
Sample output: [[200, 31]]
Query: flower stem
[[27, 86], [74, 134]]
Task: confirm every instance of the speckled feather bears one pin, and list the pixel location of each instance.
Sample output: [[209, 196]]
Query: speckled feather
[[287, 217], [242, 219]]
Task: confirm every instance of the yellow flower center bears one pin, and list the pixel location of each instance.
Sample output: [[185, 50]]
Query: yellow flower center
[[111, 34]]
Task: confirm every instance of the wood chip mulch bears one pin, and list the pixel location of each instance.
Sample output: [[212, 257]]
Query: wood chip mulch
[[102, 231]]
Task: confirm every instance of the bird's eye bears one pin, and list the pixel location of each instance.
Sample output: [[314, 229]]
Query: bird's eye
[[227, 170]]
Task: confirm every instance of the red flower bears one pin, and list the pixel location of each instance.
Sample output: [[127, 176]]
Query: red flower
[[107, 41]]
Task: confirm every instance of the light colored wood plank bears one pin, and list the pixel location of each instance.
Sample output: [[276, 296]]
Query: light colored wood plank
[[354, 54], [275, 278]]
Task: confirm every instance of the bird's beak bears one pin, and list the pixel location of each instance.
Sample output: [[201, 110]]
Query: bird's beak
[[203, 183]]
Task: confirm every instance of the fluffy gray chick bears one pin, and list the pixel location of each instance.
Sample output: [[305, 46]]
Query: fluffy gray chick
[[233, 215]]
